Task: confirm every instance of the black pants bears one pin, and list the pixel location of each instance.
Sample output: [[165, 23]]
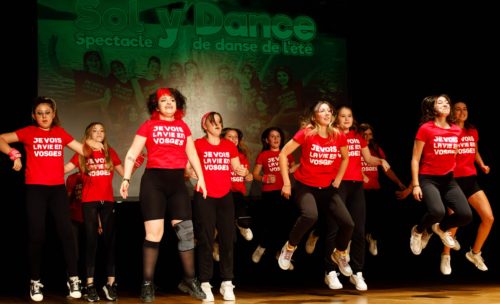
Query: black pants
[[209, 214], [39, 199], [91, 212], [439, 193], [353, 194]]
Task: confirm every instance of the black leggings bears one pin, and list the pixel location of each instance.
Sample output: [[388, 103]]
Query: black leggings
[[39, 199], [91, 212], [353, 195], [441, 192], [310, 200]]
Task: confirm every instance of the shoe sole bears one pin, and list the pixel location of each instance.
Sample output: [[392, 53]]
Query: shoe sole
[[333, 288], [34, 300], [106, 293], [473, 262], [356, 286]]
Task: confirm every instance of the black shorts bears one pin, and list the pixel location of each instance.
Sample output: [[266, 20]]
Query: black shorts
[[163, 194], [468, 184]]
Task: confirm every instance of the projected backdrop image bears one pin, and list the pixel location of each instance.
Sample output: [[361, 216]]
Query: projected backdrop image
[[100, 60]]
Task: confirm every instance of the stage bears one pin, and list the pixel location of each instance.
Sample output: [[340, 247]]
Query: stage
[[416, 294]]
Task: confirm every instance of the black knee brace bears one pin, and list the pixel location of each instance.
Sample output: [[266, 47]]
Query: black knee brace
[[185, 234]]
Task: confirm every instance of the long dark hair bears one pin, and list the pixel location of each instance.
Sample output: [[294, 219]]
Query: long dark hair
[[428, 111], [265, 134]]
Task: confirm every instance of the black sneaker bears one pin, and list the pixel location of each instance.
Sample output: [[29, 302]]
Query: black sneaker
[[147, 292], [84, 292], [74, 287], [36, 291], [193, 288], [110, 292], [92, 295]]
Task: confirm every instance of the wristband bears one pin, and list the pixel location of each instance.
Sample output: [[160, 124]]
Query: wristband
[[126, 180], [14, 154], [416, 186]]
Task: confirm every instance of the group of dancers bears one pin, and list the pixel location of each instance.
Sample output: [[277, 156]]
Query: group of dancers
[[326, 196]]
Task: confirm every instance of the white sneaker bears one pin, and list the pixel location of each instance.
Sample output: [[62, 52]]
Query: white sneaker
[[358, 281], [258, 253], [342, 260], [332, 280], [285, 257], [426, 236], [372, 244], [36, 291], [476, 259], [74, 287], [445, 236], [226, 290], [207, 289], [312, 239], [416, 241], [291, 268], [457, 246], [215, 252], [445, 264], [246, 233]]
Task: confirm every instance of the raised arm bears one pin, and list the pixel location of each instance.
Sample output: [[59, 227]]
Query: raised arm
[[86, 148]]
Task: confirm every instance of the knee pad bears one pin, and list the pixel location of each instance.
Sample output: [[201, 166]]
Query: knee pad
[[244, 221], [185, 234]]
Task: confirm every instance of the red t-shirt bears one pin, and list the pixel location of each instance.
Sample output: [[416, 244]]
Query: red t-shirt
[[166, 143], [318, 166], [466, 157], [44, 154], [98, 182], [270, 165], [216, 165], [74, 186], [372, 171], [440, 148], [355, 142], [238, 182]]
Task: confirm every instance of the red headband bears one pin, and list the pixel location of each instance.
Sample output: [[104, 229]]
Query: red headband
[[204, 119], [163, 91]]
